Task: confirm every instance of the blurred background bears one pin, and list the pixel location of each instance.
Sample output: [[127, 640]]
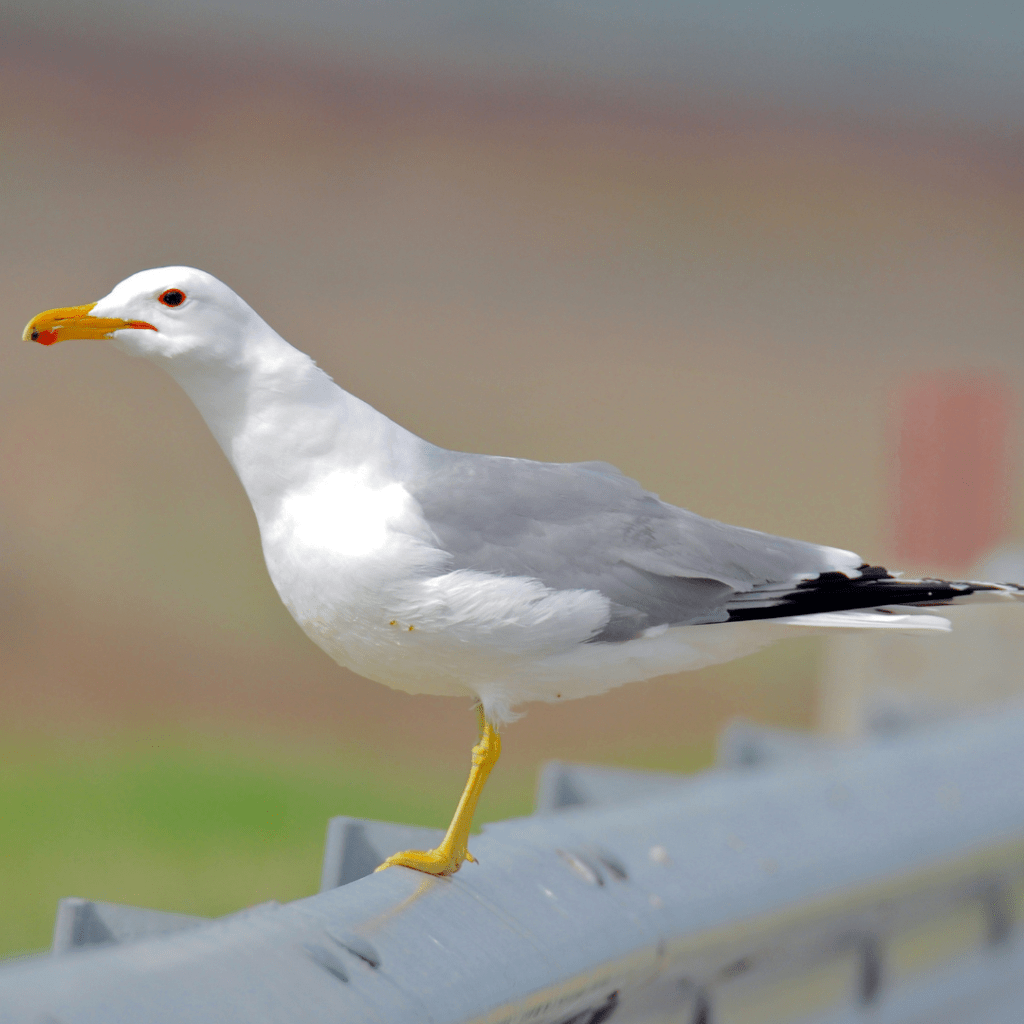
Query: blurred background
[[766, 259]]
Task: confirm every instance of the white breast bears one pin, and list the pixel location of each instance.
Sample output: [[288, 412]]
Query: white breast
[[337, 549], [343, 517]]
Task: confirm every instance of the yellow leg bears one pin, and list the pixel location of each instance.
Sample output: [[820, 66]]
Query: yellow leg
[[448, 857]]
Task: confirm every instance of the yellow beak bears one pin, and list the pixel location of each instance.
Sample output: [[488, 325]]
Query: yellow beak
[[75, 322]]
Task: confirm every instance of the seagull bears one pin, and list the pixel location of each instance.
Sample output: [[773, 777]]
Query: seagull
[[503, 580]]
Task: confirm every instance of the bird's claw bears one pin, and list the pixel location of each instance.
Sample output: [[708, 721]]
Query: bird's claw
[[431, 862]]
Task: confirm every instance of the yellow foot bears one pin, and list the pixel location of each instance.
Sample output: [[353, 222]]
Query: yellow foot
[[448, 857], [432, 862]]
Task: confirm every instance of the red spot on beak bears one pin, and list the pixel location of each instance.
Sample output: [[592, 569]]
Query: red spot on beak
[[45, 337]]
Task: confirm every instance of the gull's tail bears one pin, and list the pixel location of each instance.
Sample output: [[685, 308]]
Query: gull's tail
[[836, 600]]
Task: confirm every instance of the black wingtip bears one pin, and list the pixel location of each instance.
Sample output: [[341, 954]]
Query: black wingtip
[[837, 592]]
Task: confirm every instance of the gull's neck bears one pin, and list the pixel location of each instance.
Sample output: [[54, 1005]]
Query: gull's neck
[[285, 425]]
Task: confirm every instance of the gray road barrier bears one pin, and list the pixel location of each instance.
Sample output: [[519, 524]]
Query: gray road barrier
[[793, 883]]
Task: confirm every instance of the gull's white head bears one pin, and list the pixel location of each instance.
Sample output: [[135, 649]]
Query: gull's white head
[[163, 314]]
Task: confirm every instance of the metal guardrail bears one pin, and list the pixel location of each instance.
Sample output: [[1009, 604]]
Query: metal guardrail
[[793, 883]]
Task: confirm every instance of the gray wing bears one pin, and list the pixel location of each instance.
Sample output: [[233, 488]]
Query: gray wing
[[587, 526]]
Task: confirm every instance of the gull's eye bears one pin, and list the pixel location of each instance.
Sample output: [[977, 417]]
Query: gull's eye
[[173, 297]]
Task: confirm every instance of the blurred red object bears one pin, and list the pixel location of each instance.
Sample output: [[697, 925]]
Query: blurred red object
[[953, 469]]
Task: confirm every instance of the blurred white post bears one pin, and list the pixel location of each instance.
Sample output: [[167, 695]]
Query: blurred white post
[[950, 503]]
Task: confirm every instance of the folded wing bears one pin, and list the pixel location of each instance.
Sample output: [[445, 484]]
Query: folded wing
[[586, 526]]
